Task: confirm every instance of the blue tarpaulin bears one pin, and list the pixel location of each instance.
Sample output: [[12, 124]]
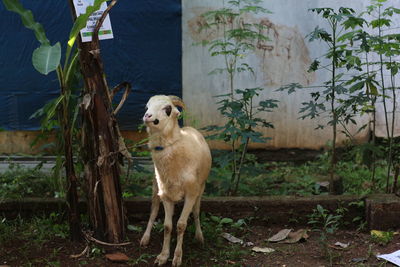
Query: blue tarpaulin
[[145, 51]]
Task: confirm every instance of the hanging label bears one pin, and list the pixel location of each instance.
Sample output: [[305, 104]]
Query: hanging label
[[105, 31]]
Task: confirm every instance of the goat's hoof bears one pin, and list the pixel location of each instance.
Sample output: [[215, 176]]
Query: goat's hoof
[[145, 241], [177, 261], [161, 259], [199, 237]]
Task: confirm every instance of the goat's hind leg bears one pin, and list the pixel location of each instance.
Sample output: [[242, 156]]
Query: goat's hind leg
[[196, 216], [155, 205]]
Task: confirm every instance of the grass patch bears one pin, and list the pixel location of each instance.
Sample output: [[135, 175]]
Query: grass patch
[[258, 179]]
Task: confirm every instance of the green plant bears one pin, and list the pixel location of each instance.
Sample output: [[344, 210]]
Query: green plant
[[143, 258], [387, 47], [96, 251], [381, 45], [359, 220], [237, 39], [381, 237], [325, 223], [349, 49], [339, 56], [47, 58], [216, 247], [38, 229], [19, 182], [384, 46]]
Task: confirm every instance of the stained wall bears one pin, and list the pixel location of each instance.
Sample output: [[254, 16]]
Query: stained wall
[[284, 59]]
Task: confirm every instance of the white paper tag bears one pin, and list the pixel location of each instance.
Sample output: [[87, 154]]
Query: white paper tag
[[392, 257], [105, 31]]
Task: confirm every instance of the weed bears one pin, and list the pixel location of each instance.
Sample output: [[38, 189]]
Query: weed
[[19, 182], [326, 224], [96, 251], [38, 229], [143, 258], [223, 252], [381, 237]]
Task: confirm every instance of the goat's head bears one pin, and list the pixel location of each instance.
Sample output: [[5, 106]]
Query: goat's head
[[160, 109]]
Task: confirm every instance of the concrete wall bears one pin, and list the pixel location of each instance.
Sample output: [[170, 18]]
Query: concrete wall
[[284, 59], [19, 142]]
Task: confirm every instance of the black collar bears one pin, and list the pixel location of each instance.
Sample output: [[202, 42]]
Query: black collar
[[158, 148]]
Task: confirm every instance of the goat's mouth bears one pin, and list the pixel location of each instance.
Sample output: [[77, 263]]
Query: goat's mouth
[[155, 122], [148, 121]]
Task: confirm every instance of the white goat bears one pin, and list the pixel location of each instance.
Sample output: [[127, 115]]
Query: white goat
[[182, 162]]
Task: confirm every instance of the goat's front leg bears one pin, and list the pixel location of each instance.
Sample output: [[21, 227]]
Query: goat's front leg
[[155, 205], [181, 227], [169, 212]]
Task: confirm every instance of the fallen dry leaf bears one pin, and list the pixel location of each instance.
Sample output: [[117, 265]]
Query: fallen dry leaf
[[296, 237], [342, 245], [263, 249], [232, 238], [117, 257], [281, 235], [235, 240]]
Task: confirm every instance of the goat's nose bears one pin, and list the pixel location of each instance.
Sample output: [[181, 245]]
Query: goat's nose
[[146, 117]]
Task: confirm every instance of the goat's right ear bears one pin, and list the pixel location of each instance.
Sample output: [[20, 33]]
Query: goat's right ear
[[168, 110]]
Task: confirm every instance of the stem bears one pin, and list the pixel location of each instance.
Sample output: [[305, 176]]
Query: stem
[[234, 168], [242, 157], [334, 114], [231, 79], [384, 98], [72, 181], [347, 132], [227, 64], [249, 111], [390, 156], [396, 178], [373, 101], [382, 77]]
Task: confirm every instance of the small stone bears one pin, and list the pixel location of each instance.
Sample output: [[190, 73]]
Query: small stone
[[358, 260]]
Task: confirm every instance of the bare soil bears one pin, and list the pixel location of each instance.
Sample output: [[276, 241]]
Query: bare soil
[[216, 251]]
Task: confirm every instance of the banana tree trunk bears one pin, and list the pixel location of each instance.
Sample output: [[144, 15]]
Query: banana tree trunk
[[101, 145]]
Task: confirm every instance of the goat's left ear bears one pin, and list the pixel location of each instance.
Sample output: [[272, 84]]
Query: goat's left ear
[[168, 110]]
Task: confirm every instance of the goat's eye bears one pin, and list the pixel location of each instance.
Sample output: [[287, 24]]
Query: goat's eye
[[168, 110]]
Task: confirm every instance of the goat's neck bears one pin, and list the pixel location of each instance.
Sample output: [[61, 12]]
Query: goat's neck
[[168, 136]]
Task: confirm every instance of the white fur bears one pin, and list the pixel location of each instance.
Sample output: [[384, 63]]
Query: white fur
[[181, 169]]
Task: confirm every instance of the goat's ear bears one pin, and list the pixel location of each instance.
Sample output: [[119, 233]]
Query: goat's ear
[[168, 110]]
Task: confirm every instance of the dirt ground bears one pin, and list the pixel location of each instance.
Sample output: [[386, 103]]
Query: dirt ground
[[216, 251]]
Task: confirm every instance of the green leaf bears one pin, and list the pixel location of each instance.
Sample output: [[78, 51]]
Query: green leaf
[[291, 88], [371, 88], [357, 86], [319, 34], [226, 221], [353, 22], [378, 23], [27, 19], [46, 58], [314, 66], [134, 228], [215, 219]]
